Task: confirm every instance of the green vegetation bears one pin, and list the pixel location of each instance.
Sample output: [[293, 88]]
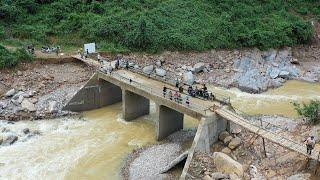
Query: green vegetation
[[311, 111], [156, 25], [10, 59]]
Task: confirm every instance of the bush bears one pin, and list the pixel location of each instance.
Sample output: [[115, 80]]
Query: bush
[[22, 55], [164, 25], [7, 59], [311, 111]]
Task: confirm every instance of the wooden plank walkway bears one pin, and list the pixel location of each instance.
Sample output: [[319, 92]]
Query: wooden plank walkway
[[267, 134]]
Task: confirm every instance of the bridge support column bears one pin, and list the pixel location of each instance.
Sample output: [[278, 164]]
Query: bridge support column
[[134, 105], [208, 132], [169, 121], [95, 94]]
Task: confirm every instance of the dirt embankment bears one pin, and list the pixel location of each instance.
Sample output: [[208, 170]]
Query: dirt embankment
[[40, 89]]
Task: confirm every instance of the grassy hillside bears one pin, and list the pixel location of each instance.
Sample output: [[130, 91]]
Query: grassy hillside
[[155, 25]]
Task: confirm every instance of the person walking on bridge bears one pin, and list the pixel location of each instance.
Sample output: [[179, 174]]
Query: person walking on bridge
[[170, 95], [187, 101], [310, 143], [164, 91]]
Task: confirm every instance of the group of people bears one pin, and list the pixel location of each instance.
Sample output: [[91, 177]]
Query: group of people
[[200, 92], [176, 96]]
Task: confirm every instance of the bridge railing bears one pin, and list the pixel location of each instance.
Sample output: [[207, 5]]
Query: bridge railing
[[217, 96], [159, 93]]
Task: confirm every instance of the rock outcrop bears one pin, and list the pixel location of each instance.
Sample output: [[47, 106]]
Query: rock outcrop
[[226, 164]]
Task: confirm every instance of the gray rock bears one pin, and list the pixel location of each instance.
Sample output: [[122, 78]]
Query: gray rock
[[158, 63], [3, 104], [219, 175], [226, 164], [53, 107], [161, 72], [188, 78], [20, 99], [136, 66], [28, 106], [301, 176], [18, 94], [234, 143], [223, 135], [251, 81], [284, 74], [270, 55], [199, 67], [26, 131], [10, 93], [131, 64], [9, 139], [243, 64], [148, 69], [274, 73]]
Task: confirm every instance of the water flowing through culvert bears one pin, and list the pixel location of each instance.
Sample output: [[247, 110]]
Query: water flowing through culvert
[[94, 147]]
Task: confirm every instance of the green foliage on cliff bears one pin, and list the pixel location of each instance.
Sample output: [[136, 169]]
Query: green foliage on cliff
[[155, 25], [311, 110]]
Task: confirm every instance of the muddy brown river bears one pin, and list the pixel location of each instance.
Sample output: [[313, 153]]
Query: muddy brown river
[[95, 147]]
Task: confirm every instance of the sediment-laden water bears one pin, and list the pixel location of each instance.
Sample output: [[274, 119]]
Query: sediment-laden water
[[94, 147]]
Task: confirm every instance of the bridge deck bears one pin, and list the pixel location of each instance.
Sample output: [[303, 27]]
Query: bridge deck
[[202, 106]]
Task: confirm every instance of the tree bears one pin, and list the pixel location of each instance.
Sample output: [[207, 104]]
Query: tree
[[311, 111]]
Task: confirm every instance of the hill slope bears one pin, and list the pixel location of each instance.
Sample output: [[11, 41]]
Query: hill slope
[[161, 24]]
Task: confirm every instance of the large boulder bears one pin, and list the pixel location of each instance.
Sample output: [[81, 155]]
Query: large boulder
[[226, 164], [219, 175], [223, 135], [3, 104], [188, 78], [28, 106], [148, 69], [10, 93], [161, 72], [9, 139], [53, 107], [274, 73], [234, 143], [304, 176], [284, 74], [199, 67], [251, 81], [227, 140], [270, 55]]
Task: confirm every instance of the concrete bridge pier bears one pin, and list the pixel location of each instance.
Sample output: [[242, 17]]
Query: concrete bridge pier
[[134, 105], [168, 122], [208, 131]]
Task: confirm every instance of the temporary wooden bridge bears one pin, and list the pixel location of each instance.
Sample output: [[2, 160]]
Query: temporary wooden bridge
[[267, 134]]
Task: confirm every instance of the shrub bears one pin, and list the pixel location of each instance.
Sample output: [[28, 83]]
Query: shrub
[[7, 59], [22, 55], [311, 111]]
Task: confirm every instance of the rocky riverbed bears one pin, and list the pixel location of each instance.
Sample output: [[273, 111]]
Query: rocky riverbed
[[244, 152], [250, 70], [37, 91]]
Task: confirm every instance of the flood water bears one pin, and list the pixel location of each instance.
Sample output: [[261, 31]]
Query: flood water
[[95, 147]]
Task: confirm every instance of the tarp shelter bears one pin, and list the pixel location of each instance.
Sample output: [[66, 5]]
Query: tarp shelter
[[91, 47]]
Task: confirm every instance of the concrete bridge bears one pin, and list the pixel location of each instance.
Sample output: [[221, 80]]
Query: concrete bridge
[[104, 89]]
